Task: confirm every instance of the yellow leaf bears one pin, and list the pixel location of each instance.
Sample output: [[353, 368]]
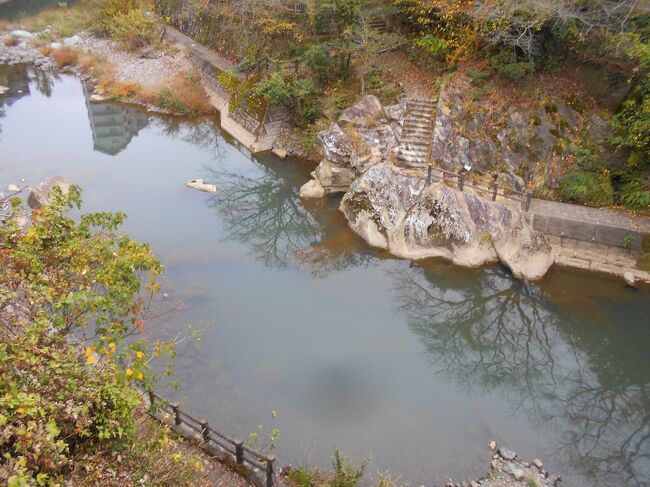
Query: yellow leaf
[[91, 359], [129, 372]]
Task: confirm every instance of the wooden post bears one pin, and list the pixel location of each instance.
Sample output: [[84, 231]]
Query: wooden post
[[461, 181], [296, 65], [205, 431], [429, 174], [529, 196], [239, 451], [494, 192], [177, 417], [269, 471], [152, 398]]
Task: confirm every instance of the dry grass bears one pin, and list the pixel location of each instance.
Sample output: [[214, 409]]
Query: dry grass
[[64, 56], [184, 94], [12, 41]]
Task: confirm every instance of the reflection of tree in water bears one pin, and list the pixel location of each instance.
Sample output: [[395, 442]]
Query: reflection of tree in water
[[203, 133], [262, 209], [494, 332]]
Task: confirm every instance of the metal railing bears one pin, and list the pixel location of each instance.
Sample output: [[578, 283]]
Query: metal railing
[[259, 467], [492, 190]]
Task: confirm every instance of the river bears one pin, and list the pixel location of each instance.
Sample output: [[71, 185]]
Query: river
[[416, 365]]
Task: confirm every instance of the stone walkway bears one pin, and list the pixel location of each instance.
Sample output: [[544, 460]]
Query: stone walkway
[[595, 239], [417, 133], [218, 96]]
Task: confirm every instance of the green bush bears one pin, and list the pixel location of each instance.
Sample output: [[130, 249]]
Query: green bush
[[169, 100], [59, 396], [295, 93], [587, 187], [318, 59], [133, 29], [634, 195], [434, 46]]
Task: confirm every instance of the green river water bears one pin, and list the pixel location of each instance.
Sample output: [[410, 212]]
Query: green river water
[[417, 365]]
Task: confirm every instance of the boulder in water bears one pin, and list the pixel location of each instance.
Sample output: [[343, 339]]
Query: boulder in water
[[41, 194], [312, 189], [201, 186]]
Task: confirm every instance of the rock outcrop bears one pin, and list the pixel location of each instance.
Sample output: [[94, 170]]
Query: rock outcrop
[[393, 206], [397, 210], [361, 138]]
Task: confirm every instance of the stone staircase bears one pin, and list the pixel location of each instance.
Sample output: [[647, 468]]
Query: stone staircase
[[417, 134], [378, 24]]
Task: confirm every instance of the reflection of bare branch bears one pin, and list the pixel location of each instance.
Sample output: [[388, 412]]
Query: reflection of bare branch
[[264, 210], [502, 333]]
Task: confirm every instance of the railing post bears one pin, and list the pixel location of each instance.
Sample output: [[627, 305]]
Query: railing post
[[296, 65], [177, 417], [152, 398], [269, 471], [494, 192], [529, 197], [205, 431], [461, 181], [239, 451], [429, 174]]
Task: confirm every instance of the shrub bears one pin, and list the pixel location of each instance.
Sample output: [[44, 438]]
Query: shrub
[[60, 397], [515, 71], [346, 473], [133, 29], [587, 187], [229, 81], [434, 46], [296, 94], [318, 59], [634, 195]]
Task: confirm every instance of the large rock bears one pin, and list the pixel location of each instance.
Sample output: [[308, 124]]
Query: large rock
[[361, 138], [41, 194], [395, 209], [312, 189], [522, 146]]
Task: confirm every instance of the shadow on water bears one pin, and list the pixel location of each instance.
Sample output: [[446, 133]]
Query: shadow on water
[[569, 354], [496, 333]]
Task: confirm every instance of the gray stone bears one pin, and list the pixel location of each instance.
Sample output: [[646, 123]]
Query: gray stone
[[72, 41], [538, 463], [312, 189], [21, 34], [492, 445], [40, 195], [278, 152], [494, 464], [507, 454], [630, 279]]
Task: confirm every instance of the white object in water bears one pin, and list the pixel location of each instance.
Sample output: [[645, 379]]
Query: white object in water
[[201, 185], [4, 89], [13, 188]]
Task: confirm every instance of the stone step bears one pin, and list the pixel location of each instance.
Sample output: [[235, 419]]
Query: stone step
[[413, 144], [416, 133], [417, 125], [421, 106]]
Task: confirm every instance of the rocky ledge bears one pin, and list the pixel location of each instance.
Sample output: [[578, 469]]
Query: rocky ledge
[[398, 208], [509, 470]]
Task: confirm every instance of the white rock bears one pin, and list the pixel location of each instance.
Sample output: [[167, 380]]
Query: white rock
[[22, 34], [278, 152], [13, 188], [492, 445], [312, 189], [40, 195], [538, 463], [630, 279], [56, 45], [4, 89], [72, 41], [201, 186], [98, 98]]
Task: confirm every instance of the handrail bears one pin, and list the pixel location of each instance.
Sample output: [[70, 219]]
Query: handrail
[[493, 189], [242, 456]]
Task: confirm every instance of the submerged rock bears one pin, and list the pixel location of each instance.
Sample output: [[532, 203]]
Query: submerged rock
[[41, 194], [396, 209]]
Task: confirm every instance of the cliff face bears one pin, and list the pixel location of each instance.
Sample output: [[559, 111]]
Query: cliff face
[[398, 209]]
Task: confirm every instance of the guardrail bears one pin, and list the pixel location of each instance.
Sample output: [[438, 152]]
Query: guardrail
[[493, 190], [256, 466]]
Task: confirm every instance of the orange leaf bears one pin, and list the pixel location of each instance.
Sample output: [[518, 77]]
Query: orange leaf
[[139, 324]]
